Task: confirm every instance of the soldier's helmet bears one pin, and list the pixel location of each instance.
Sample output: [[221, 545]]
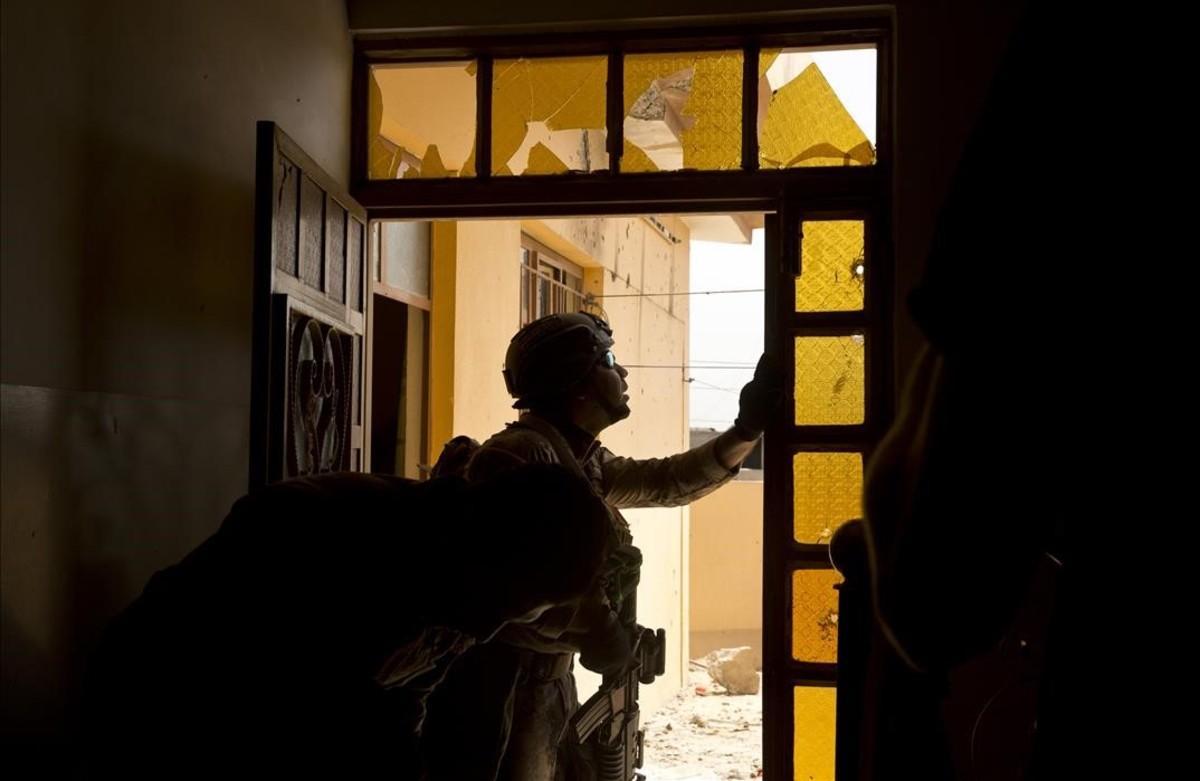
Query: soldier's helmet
[[553, 353]]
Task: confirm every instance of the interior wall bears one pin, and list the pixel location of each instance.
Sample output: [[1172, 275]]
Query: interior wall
[[127, 210], [412, 446], [488, 312], [443, 289], [726, 569]]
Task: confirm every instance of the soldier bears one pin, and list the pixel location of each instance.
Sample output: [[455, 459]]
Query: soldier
[[510, 702]]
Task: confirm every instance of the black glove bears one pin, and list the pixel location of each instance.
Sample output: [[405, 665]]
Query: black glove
[[606, 652], [760, 399]]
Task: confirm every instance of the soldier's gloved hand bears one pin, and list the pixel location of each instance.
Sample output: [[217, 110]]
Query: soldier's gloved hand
[[760, 399], [607, 653]]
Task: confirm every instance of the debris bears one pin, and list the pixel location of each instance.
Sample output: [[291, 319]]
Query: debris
[[733, 668]]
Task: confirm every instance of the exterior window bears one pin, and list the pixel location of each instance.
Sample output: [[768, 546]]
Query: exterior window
[[550, 284]]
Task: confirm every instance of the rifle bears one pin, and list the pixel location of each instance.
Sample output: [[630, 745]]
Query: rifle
[[610, 719]]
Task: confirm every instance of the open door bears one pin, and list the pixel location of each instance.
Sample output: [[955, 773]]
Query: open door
[[308, 398], [828, 322]]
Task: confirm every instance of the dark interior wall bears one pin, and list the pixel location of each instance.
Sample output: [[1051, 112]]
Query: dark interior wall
[[128, 177]]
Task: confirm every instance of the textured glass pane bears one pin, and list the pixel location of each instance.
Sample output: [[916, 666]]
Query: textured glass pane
[[405, 254], [827, 488], [335, 249], [832, 266], [830, 380], [683, 111], [815, 717], [815, 615], [312, 227], [548, 115], [816, 108], [354, 264], [421, 120]]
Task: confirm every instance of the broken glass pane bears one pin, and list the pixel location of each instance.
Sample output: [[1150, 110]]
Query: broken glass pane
[[683, 111], [832, 266], [548, 115], [815, 615], [421, 120], [816, 108]]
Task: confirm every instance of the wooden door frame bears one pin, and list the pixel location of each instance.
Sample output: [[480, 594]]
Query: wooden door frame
[[276, 293]]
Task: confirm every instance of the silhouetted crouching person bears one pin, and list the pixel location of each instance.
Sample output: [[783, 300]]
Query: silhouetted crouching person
[[305, 635]]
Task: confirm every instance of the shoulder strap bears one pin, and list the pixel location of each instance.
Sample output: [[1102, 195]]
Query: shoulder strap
[[556, 440]]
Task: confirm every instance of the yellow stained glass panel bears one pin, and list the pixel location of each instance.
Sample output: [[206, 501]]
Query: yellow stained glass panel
[[832, 266], [830, 380], [802, 119], [827, 492], [421, 120], [814, 741], [815, 615], [548, 115], [683, 111]]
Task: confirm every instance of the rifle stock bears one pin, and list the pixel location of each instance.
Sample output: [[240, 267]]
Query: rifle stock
[[610, 719]]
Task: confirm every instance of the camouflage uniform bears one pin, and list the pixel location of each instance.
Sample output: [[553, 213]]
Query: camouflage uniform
[[504, 706]]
